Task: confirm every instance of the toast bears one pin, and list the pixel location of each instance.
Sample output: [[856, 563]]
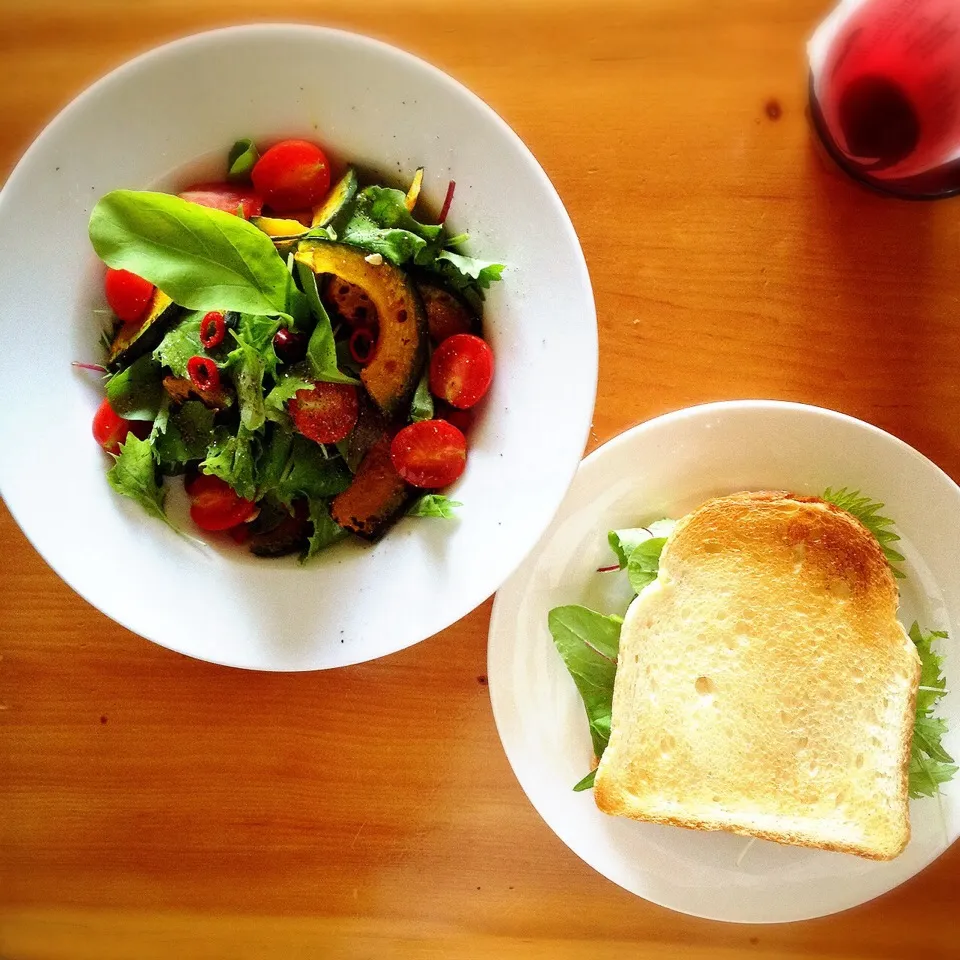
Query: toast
[[764, 684]]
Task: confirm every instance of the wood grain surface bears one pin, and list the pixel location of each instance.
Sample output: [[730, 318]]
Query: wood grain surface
[[152, 806]]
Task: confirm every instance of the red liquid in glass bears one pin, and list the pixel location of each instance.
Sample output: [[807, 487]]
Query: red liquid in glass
[[886, 97]]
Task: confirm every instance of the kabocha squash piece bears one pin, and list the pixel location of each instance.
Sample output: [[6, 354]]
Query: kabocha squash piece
[[180, 389], [401, 350], [377, 497], [130, 342], [350, 302], [446, 313], [371, 428], [330, 212], [288, 536]]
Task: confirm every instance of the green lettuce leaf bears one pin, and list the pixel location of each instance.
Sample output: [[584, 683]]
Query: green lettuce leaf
[[242, 159], [137, 392], [321, 348], [203, 259], [184, 435], [380, 223], [422, 407], [434, 505], [588, 643], [180, 344], [232, 458], [308, 473], [246, 367], [325, 531], [134, 475], [285, 389]]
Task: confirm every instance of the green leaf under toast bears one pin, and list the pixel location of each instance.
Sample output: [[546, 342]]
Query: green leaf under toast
[[588, 643], [867, 512]]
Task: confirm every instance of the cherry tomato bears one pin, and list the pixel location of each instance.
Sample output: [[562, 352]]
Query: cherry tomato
[[461, 419], [431, 453], [292, 175], [461, 370], [228, 197], [326, 413], [216, 505], [213, 328], [110, 430], [204, 373], [128, 295]]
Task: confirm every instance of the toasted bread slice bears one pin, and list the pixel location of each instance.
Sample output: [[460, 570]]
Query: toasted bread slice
[[764, 685]]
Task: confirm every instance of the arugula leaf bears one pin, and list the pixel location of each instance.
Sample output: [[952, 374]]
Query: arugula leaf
[[624, 542], [466, 276], [242, 159], [286, 389], [134, 475], [483, 272], [421, 407], [308, 473], [434, 505], [137, 392], [588, 643], [325, 531], [180, 344], [930, 764], [246, 367], [866, 511], [231, 457], [644, 563], [203, 259], [321, 348], [185, 435], [381, 223]]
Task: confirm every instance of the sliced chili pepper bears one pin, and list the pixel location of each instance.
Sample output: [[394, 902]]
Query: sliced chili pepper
[[447, 200], [362, 342], [204, 373], [213, 328]]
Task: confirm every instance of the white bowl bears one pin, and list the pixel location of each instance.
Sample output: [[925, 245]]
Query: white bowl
[[666, 468], [177, 109]]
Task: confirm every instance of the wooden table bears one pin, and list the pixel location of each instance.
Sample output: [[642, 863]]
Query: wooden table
[[154, 807]]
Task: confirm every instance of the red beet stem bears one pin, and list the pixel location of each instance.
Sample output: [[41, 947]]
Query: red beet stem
[[88, 366], [447, 200]]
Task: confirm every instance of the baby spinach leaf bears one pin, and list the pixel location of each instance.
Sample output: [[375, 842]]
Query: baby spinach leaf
[[137, 392], [134, 475], [321, 347], [325, 531], [203, 259], [231, 457], [187, 434], [242, 159], [434, 505], [308, 473], [624, 542], [588, 643], [180, 344], [421, 407]]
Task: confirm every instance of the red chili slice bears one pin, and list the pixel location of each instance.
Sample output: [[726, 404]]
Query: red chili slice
[[362, 342], [213, 328], [204, 373]]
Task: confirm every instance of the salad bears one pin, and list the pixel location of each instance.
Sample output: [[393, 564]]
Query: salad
[[306, 357], [588, 642]]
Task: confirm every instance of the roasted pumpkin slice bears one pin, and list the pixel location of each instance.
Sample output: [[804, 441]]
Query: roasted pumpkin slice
[[377, 497], [349, 302], [392, 375], [130, 342], [447, 314], [337, 201]]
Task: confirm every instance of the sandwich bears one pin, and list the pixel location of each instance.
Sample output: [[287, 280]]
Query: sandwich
[[762, 684]]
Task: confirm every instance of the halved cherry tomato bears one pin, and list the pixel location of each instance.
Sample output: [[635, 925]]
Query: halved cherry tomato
[[204, 373], [216, 505], [431, 453], [110, 430], [292, 175], [461, 370], [326, 413], [213, 328], [128, 295], [228, 197]]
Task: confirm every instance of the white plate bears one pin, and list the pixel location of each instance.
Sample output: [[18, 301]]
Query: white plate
[[665, 468], [179, 108]]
